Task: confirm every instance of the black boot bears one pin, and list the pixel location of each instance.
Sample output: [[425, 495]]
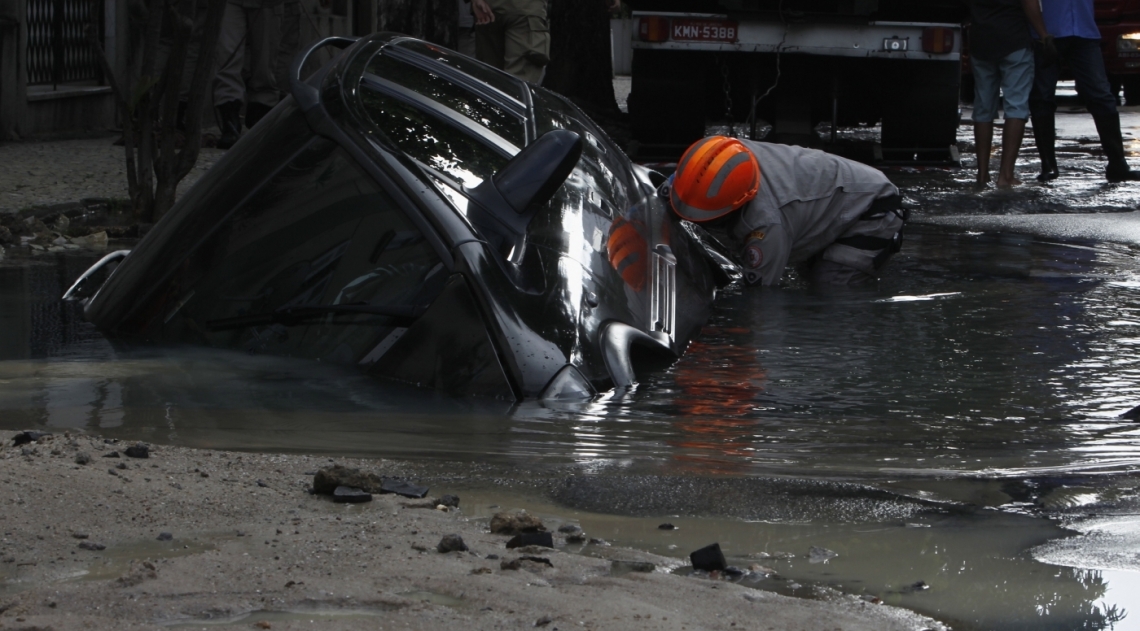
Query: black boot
[[1108, 126], [255, 112], [229, 120], [1045, 134]]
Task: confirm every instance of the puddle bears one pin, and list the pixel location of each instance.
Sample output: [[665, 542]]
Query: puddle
[[116, 560]]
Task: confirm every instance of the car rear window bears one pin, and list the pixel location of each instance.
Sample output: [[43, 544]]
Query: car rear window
[[430, 140], [451, 95], [501, 81]]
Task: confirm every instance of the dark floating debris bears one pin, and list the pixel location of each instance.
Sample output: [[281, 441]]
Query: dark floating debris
[[709, 559], [450, 501], [1133, 414], [327, 480], [350, 495], [666, 527], [622, 567], [165, 536], [87, 545], [544, 539]]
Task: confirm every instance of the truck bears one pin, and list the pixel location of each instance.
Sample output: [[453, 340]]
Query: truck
[[1119, 22], [793, 64]]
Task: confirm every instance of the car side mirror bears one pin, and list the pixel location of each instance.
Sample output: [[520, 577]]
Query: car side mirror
[[509, 200]]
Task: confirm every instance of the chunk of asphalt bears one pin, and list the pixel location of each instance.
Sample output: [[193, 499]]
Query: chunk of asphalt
[[350, 495], [450, 501], [543, 539], [451, 543], [403, 488], [138, 450], [708, 558], [27, 436]]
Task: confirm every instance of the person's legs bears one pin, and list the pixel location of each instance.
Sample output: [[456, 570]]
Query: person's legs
[[229, 88], [288, 45], [489, 42], [261, 93], [1042, 109], [986, 91], [1087, 63], [864, 248], [1016, 83], [527, 47]]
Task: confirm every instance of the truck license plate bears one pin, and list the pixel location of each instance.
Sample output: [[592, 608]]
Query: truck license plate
[[690, 30], [896, 44]]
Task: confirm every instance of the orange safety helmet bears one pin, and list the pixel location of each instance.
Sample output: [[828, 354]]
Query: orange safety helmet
[[716, 176]]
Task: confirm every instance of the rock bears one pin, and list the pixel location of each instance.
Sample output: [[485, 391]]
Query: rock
[[79, 535], [450, 501], [87, 545], [82, 457], [350, 495], [515, 523], [666, 527], [138, 450], [623, 567], [817, 554], [543, 621], [403, 488], [451, 543], [28, 436], [578, 538], [111, 454], [326, 480], [594, 541], [569, 529], [262, 484], [543, 539], [874, 600], [165, 536], [121, 466], [708, 558]]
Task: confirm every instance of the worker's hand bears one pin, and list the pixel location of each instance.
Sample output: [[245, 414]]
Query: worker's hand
[[1049, 47], [628, 252], [482, 11], [614, 5]]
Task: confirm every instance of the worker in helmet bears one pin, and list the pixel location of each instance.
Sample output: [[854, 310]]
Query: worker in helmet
[[837, 220]]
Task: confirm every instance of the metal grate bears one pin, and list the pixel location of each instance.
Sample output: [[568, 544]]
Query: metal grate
[[58, 51]]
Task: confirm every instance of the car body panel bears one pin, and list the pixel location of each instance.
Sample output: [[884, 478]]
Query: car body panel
[[354, 231]]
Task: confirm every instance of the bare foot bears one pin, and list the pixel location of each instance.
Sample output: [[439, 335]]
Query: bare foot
[[983, 178], [1008, 183]]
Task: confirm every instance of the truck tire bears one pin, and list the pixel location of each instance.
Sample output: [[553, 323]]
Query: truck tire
[[920, 111]]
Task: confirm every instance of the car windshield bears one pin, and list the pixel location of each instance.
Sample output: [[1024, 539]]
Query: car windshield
[[500, 81], [451, 95], [430, 140]]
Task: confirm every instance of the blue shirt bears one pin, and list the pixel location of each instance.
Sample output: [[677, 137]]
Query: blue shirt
[[1070, 18]]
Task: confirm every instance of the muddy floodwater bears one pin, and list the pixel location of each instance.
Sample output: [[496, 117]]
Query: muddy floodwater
[[947, 434], [949, 441]]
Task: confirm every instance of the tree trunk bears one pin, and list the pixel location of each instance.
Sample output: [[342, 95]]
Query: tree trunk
[[581, 66], [436, 21]]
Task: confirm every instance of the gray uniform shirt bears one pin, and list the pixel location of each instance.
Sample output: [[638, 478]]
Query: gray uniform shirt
[[807, 200]]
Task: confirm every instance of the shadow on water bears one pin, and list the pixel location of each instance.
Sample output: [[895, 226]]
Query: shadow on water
[[919, 428]]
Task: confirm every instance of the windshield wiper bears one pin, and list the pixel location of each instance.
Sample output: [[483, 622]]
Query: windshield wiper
[[293, 316]]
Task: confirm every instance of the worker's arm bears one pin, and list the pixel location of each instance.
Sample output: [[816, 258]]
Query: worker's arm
[[1036, 19], [482, 11]]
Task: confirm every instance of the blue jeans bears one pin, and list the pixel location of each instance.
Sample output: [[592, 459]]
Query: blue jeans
[[1084, 59]]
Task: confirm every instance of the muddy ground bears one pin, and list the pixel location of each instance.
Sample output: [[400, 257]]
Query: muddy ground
[[198, 537]]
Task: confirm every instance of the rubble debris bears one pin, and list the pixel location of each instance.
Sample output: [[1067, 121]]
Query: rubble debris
[[88, 545], [666, 527], [709, 559], [450, 501], [543, 621], [403, 488], [451, 543], [165, 536], [515, 523], [82, 457], [918, 586], [138, 450], [111, 454], [326, 481], [350, 495], [569, 529], [517, 564], [28, 436], [543, 539]]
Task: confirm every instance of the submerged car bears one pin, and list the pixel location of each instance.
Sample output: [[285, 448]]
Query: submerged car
[[430, 219]]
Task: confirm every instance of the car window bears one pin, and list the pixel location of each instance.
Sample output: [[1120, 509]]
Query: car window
[[321, 233], [430, 140], [501, 81], [451, 95]]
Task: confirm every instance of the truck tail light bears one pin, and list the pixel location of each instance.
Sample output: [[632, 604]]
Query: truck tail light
[[653, 28], [1128, 43], [938, 40]]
